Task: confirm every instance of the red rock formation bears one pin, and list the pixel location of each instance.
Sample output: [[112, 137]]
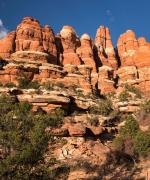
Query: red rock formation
[[34, 45], [105, 49], [134, 57], [105, 80], [30, 36], [70, 43], [7, 45], [49, 43], [86, 52], [127, 45]]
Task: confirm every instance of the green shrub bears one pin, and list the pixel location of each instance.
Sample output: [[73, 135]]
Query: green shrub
[[10, 85], [111, 94], [55, 120], [132, 140], [130, 128], [146, 106], [103, 107], [124, 95], [134, 90], [23, 139], [34, 85], [142, 143], [25, 83], [118, 143]]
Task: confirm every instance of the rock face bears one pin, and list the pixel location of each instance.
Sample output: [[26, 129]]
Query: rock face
[[69, 42], [30, 36], [134, 60], [93, 65], [104, 48], [105, 80], [7, 45], [86, 51]]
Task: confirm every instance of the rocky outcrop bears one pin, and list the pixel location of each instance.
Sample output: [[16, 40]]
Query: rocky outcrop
[[30, 36], [105, 80], [86, 52], [69, 42], [104, 48], [7, 45], [134, 59], [93, 65]]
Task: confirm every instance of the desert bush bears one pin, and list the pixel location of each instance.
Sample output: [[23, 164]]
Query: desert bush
[[34, 85], [23, 139], [118, 143], [25, 83], [55, 120], [146, 106], [10, 85], [103, 107], [130, 128], [132, 140], [142, 143], [124, 95], [79, 93], [134, 90]]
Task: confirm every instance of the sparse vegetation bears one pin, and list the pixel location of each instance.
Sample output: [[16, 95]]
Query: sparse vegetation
[[103, 107], [94, 121], [25, 83], [146, 106], [59, 84], [74, 87], [10, 85], [48, 86], [131, 139], [23, 139], [134, 90], [124, 95]]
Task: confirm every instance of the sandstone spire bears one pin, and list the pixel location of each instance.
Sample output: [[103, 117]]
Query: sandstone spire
[[86, 51], [105, 49], [70, 43]]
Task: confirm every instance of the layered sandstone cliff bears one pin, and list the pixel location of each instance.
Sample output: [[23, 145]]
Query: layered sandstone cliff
[[104, 67]]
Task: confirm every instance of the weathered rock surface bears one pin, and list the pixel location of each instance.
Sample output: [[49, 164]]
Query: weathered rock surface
[[7, 45], [105, 50], [85, 52], [69, 42], [84, 61], [134, 58]]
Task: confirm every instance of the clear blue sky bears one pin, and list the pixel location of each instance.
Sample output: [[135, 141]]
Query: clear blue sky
[[83, 15]]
